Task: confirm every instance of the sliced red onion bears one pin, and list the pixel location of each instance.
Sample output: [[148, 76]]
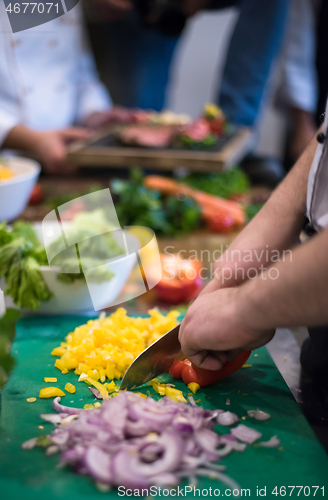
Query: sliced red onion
[[216, 413], [59, 437], [136, 442], [245, 434], [272, 443], [208, 440], [136, 429], [73, 455], [98, 463], [259, 415], [226, 438], [95, 392], [165, 479], [52, 449], [64, 409], [192, 401], [227, 418], [227, 401], [181, 424], [221, 477], [30, 444], [234, 445], [226, 450], [53, 418]]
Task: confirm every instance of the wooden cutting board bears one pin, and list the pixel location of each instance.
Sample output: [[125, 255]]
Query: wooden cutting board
[[29, 475], [103, 151]]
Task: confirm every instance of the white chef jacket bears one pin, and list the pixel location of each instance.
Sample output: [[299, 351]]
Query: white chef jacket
[[317, 193], [48, 78]]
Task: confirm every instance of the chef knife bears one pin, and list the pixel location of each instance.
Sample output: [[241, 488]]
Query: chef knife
[[154, 360]]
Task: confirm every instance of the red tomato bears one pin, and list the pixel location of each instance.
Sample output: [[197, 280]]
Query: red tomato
[[181, 280], [37, 195]]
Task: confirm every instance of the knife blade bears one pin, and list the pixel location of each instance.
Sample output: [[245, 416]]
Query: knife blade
[[154, 360]]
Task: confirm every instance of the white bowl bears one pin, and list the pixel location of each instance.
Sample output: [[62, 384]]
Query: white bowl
[[15, 193], [75, 298]]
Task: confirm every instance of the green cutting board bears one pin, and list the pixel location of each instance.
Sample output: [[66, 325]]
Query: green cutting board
[[29, 475]]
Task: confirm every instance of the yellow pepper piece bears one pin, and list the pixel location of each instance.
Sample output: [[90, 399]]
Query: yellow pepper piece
[[97, 404], [142, 395], [175, 394], [60, 364], [101, 388], [64, 372], [111, 387], [31, 400], [50, 379], [58, 351], [51, 392], [70, 388], [88, 406], [194, 387]]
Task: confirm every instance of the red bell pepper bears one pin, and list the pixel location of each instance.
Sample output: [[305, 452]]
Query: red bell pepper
[[191, 373]]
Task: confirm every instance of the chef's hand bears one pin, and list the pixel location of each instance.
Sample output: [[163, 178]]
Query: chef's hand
[[47, 147], [50, 148], [100, 119], [218, 323]]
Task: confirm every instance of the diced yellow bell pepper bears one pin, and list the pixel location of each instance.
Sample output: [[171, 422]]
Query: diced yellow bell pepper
[[31, 400], [142, 395], [194, 387], [51, 392], [60, 364], [111, 387], [51, 380], [70, 388], [58, 351], [88, 406], [105, 347], [175, 394]]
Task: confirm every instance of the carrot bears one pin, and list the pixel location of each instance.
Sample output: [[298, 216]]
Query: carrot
[[212, 206]]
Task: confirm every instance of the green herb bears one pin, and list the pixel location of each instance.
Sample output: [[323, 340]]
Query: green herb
[[252, 209], [185, 141], [223, 184], [140, 206], [7, 334]]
